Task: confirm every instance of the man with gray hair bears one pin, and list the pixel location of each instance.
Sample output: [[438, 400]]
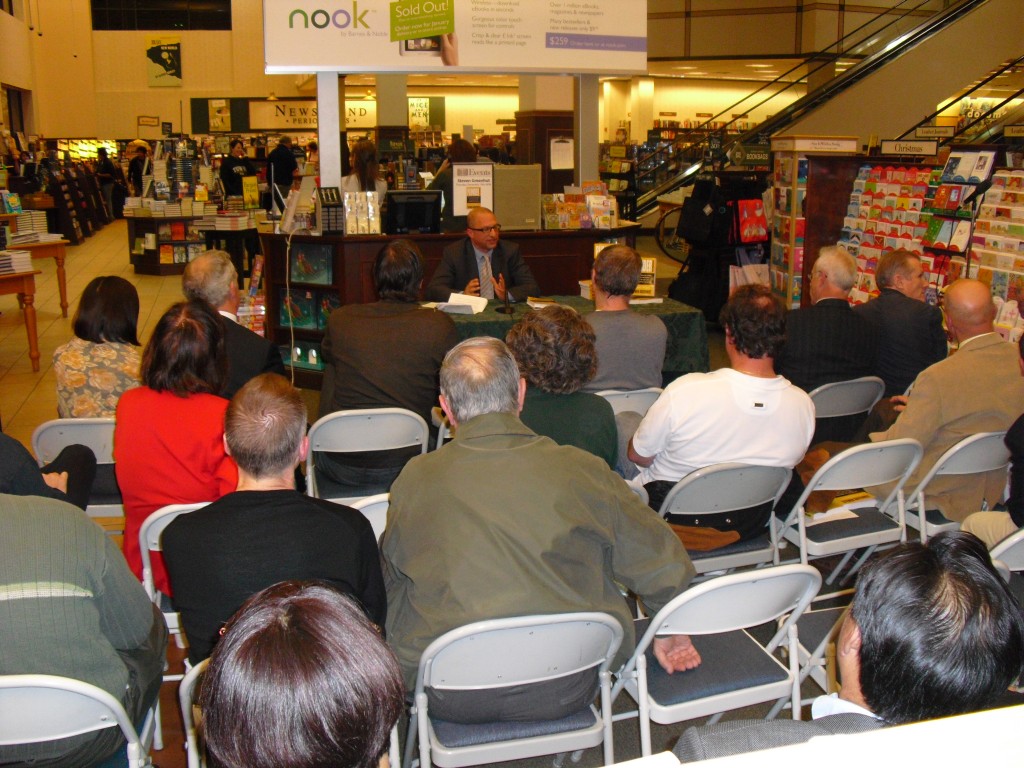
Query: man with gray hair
[[502, 522], [266, 531], [827, 341], [211, 277]]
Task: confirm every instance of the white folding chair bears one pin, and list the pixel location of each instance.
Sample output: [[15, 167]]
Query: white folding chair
[[867, 527], [515, 651], [635, 400], [374, 509], [186, 700], [847, 398], [39, 708], [726, 488], [1008, 557], [149, 542], [735, 671], [370, 429], [51, 437], [976, 454]]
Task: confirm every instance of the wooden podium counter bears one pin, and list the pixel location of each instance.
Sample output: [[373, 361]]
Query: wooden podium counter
[[558, 259]]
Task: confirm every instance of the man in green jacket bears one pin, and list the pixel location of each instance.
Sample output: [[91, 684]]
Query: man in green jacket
[[502, 522]]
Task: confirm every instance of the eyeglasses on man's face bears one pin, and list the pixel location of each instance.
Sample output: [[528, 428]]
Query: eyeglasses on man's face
[[487, 230]]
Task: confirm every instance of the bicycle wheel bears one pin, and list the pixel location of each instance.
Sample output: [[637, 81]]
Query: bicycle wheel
[[667, 236]]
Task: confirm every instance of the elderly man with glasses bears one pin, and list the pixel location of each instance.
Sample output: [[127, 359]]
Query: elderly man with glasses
[[482, 265]]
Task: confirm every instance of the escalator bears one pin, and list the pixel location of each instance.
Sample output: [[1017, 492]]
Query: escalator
[[891, 88]]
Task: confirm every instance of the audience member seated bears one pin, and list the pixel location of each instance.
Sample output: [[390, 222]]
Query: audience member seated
[[102, 360], [630, 346], [70, 607], [169, 436], [460, 151], [907, 330], [744, 413], [976, 389], [266, 531], [995, 525], [383, 355], [69, 477], [300, 679], [482, 265], [365, 176], [500, 522], [554, 348], [827, 341], [211, 277], [932, 632]]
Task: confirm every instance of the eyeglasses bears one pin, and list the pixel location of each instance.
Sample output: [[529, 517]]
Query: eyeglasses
[[487, 230]]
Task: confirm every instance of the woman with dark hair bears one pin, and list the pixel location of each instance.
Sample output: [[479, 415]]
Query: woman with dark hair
[[554, 348], [461, 151], [365, 176], [169, 436], [102, 361], [300, 679]]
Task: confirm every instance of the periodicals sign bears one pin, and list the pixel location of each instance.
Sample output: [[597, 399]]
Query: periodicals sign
[[558, 36]]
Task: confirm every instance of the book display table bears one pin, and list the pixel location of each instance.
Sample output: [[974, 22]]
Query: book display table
[[24, 285], [56, 251]]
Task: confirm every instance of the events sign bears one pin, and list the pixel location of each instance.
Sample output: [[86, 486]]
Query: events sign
[[557, 36]]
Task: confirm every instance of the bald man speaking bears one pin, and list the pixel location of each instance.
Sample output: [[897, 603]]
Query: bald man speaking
[[977, 389]]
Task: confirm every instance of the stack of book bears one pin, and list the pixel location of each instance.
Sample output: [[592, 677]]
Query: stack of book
[[12, 262], [32, 221], [233, 221]]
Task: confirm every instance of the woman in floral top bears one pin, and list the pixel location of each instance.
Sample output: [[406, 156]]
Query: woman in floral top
[[102, 361]]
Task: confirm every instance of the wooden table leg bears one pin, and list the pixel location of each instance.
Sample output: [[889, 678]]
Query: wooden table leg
[[30, 329], [62, 282]]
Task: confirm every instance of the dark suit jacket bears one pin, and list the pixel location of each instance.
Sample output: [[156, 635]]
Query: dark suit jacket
[[458, 267], [249, 355], [826, 342], [738, 736], [910, 338]]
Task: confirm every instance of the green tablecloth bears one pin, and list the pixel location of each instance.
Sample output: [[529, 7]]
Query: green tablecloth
[[687, 336]]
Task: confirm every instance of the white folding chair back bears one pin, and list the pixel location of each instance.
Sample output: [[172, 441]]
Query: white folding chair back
[[863, 466], [149, 542], [186, 700], [976, 454], [726, 488], [370, 429], [39, 708], [97, 434], [846, 398], [517, 651], [635, 400], [374, 509], [715, 615], [1011, 551]]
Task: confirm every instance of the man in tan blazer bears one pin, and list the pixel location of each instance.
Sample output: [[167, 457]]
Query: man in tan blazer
[[976, 389]]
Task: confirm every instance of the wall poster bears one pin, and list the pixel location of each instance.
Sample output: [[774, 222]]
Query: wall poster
[[163, 61]]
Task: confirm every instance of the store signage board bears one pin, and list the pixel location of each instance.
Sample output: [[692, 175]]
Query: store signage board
[[1013, 131], [294, 115], [934, 131], [905, 147], [839, 144], [472, 186], [523, 36]]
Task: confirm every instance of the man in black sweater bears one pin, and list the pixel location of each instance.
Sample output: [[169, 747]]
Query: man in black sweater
[[266, 531]]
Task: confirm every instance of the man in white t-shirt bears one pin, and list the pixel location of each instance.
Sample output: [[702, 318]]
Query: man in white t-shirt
[[745, 413]]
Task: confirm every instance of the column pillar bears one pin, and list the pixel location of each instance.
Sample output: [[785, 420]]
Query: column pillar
[[330, 104], [392, 110], [588, 127]]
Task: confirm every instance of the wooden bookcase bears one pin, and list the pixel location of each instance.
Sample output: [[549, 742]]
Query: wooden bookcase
[[154, 261], [68, 223], [812, 178]]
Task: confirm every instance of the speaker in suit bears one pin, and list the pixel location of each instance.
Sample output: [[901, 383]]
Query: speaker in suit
[[738, 736], [249, 355], [459, 267]]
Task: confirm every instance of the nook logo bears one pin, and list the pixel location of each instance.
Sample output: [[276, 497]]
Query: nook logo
[[321, 18]]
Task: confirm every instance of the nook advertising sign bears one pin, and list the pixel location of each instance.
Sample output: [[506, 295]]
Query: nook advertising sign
[[557, 36]]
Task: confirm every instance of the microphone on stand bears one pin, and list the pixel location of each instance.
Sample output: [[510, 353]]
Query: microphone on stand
[[979, 190], [507, 309]]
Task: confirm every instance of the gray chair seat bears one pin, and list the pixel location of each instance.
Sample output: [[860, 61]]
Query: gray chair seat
[[868, 520], [729, 662], [468, 735]]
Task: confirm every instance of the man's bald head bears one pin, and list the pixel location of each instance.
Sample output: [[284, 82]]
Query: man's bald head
[[969, 309]]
